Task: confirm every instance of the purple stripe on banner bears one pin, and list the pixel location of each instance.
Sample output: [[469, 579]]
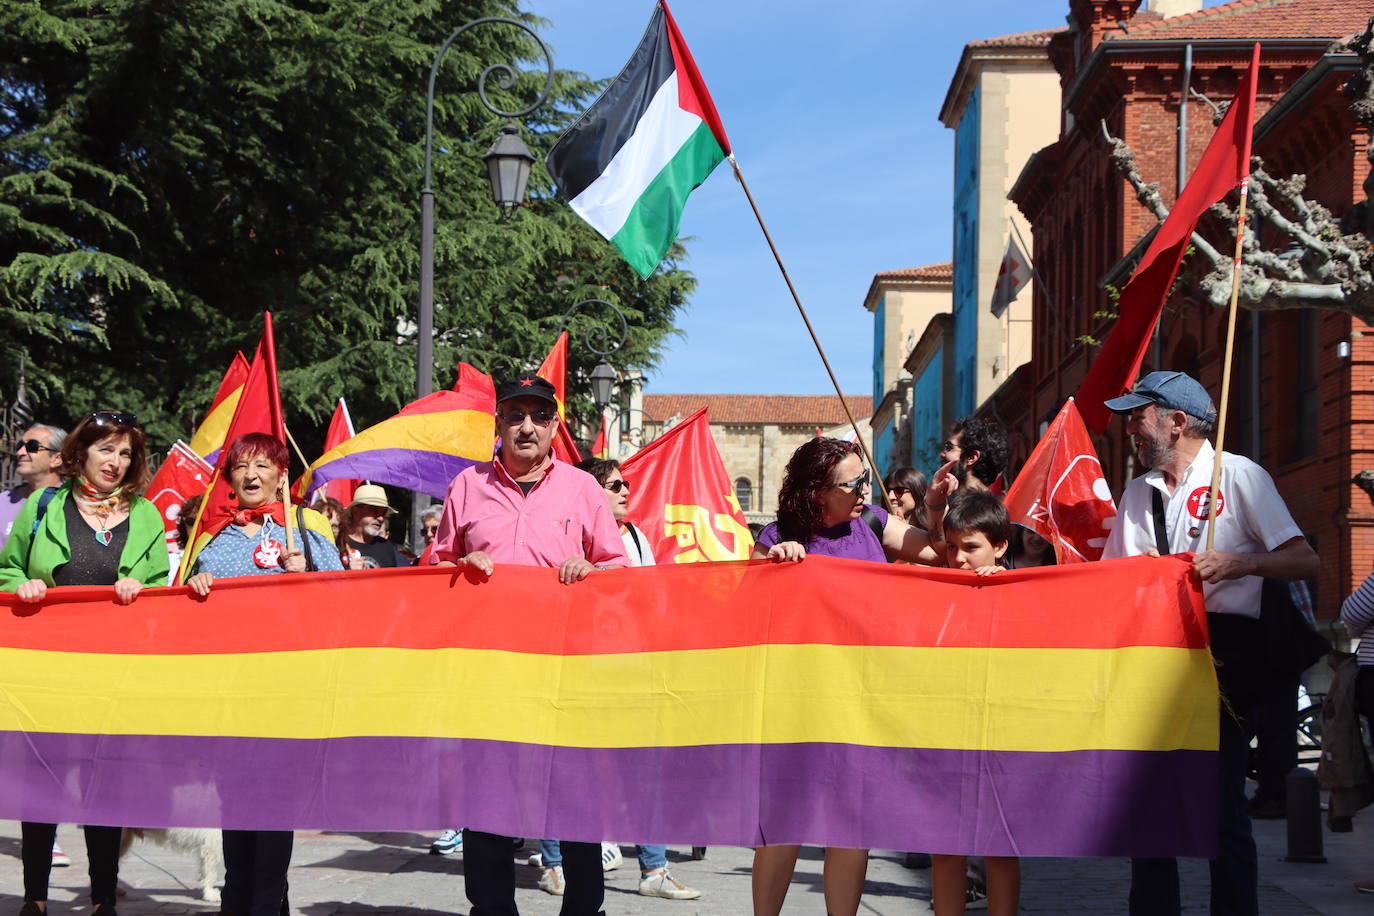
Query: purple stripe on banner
[[1074, 803], [428, 472]]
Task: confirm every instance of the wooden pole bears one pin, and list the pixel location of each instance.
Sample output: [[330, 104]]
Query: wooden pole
[[878, 483], [286, 514], [1226, 363]]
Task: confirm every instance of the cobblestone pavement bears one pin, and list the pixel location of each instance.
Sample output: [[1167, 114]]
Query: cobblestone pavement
[[392, 873]]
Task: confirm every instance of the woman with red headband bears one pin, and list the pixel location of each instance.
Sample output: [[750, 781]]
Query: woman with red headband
[[249, 539], [92, 530]]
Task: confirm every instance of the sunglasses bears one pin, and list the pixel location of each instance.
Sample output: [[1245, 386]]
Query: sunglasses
[[615, 486], [899, 491], [539, 417], [113, 417], [855, 485], [31, 446]]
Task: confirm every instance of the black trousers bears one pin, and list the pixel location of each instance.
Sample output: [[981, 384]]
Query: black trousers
[[102, 852], [489, 876], [255, 864], [1275, 725]]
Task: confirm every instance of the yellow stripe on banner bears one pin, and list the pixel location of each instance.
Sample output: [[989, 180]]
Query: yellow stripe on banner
[[1137, 698], [211, 432], [467, 433]]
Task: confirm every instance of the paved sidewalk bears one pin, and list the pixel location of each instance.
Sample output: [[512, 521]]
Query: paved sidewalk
[[363, 873]]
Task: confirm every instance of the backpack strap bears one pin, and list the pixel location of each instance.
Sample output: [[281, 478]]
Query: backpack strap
[[1161, 531], [48, 494], [305, 538], [634, 535]]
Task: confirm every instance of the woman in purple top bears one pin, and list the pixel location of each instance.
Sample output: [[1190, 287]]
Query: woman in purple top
[[821, 510]]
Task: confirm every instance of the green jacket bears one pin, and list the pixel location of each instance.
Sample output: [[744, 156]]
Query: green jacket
[[144, 557]]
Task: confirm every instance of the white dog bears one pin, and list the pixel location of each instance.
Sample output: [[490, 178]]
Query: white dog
[[205, 845]]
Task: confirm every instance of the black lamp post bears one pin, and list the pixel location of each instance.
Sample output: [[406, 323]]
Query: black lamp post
[[601, 340], [508, 166]]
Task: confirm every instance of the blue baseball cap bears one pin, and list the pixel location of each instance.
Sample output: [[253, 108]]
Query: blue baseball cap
[[1173, 390]]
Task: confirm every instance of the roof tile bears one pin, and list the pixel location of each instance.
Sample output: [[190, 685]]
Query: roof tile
[[944, 270], [1260, 19], [819, 409], [1038, 38]]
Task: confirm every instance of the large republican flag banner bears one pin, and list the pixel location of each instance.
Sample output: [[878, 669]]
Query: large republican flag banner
[[681, 497], [1061, 493], [1066, 711], [629, 163]]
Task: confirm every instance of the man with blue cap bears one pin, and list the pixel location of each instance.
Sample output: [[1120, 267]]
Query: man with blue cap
[[1167, 510]]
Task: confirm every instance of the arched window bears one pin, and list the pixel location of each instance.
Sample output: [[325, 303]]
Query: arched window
[[744, 492]]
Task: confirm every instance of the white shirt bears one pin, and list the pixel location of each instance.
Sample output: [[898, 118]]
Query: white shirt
[[1253, 519], [639, 552]]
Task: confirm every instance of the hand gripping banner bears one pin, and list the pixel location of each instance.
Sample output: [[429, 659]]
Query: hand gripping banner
[[1064, 711]]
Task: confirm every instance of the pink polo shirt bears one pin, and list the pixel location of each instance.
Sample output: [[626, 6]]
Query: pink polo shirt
[[565, 515]]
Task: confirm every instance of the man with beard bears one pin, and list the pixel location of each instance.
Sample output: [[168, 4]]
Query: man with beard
[[1166, 510], [526, 508], [366, 529], [972, 458], [37, 459]]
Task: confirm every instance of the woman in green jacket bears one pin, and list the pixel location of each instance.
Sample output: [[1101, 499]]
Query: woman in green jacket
[[93, 530]]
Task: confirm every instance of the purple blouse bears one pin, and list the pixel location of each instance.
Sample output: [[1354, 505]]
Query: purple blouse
[[854, 540]]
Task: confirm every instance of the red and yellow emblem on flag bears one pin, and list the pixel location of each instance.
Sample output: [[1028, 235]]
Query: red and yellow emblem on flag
[[683, 499]]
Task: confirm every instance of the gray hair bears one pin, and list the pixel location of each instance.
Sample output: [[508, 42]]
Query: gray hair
[[56, 435], [1198, 428], [431, 512]]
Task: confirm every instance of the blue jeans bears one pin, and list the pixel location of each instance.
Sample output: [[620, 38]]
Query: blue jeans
[[1235, 870], [651, 858]]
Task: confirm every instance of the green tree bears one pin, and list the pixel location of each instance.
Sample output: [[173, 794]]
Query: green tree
[[169, 171]]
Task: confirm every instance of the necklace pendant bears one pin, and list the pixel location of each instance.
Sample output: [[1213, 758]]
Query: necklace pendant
[[104, 537]]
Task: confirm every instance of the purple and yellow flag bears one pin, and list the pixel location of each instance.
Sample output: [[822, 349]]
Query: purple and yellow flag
[[421, 448], [1067, 711]]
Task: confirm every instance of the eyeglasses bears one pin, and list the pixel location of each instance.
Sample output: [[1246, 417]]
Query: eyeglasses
[[948, 446], [855, 485], [615, 486], [31, 446], [516, 417], [108, 417]]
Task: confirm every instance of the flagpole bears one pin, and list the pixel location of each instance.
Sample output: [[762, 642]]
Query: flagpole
[[299, 454], [877, 484], [286, 514], [1212, 512]]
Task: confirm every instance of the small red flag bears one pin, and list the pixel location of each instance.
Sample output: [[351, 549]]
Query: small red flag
[[601, 448], [554, 370], [182, 475], [682, 497], [1224, 165], [209, 436], [340, 431], [1061, 494]]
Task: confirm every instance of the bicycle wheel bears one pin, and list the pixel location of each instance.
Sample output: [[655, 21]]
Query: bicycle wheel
[[1309, 725]]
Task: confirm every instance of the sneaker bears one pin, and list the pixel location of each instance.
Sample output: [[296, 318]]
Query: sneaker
[[611, 859], [551, 882], [976, 896], [661, 884], [59, 858], [449, 842], [537, 860]]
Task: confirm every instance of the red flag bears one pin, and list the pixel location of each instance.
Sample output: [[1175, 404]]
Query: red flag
[[601, 448], [478, 388], [340, 431], [259, 411], [682, 497], [554, 370], [182, 475], [209, 437], [1224, 165], [1061, 494]]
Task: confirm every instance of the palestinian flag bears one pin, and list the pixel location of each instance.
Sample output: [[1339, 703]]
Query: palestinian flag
[[628, 164]]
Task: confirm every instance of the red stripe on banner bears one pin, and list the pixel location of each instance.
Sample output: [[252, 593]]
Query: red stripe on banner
[[692, 93], [1106, 605]]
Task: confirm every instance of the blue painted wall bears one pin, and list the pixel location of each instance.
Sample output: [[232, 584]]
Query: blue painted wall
[[927, 426], [879, 322], [966, 143], [883, 441]]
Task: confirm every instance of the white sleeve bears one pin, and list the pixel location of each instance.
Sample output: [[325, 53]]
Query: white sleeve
[[1265, 514]]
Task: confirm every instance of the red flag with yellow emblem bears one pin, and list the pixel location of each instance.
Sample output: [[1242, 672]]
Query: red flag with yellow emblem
[[682, 498]]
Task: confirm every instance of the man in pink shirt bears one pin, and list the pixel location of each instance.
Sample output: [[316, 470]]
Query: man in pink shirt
[[527, 508]]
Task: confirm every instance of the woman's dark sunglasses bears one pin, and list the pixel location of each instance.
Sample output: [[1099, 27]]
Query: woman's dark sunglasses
[[108, 417], [615, 486], [32, 446]]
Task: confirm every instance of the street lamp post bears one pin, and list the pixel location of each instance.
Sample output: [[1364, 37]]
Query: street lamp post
[[508, 167], [600, 339]]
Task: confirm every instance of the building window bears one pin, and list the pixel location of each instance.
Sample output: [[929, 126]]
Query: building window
[[744, 492], [1305, 396]]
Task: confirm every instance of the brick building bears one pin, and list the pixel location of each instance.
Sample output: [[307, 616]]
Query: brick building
[[1301, 398], [757, 433]]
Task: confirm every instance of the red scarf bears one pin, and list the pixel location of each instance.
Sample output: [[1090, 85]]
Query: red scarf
[[243, 515]]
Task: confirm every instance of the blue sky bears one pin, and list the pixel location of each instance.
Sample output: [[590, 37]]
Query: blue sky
[[832, 110]]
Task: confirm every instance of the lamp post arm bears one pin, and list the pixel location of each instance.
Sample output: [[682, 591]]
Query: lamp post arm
[[600, 333]]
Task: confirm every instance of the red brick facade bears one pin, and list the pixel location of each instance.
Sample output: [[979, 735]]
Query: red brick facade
[[1312, 410]]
